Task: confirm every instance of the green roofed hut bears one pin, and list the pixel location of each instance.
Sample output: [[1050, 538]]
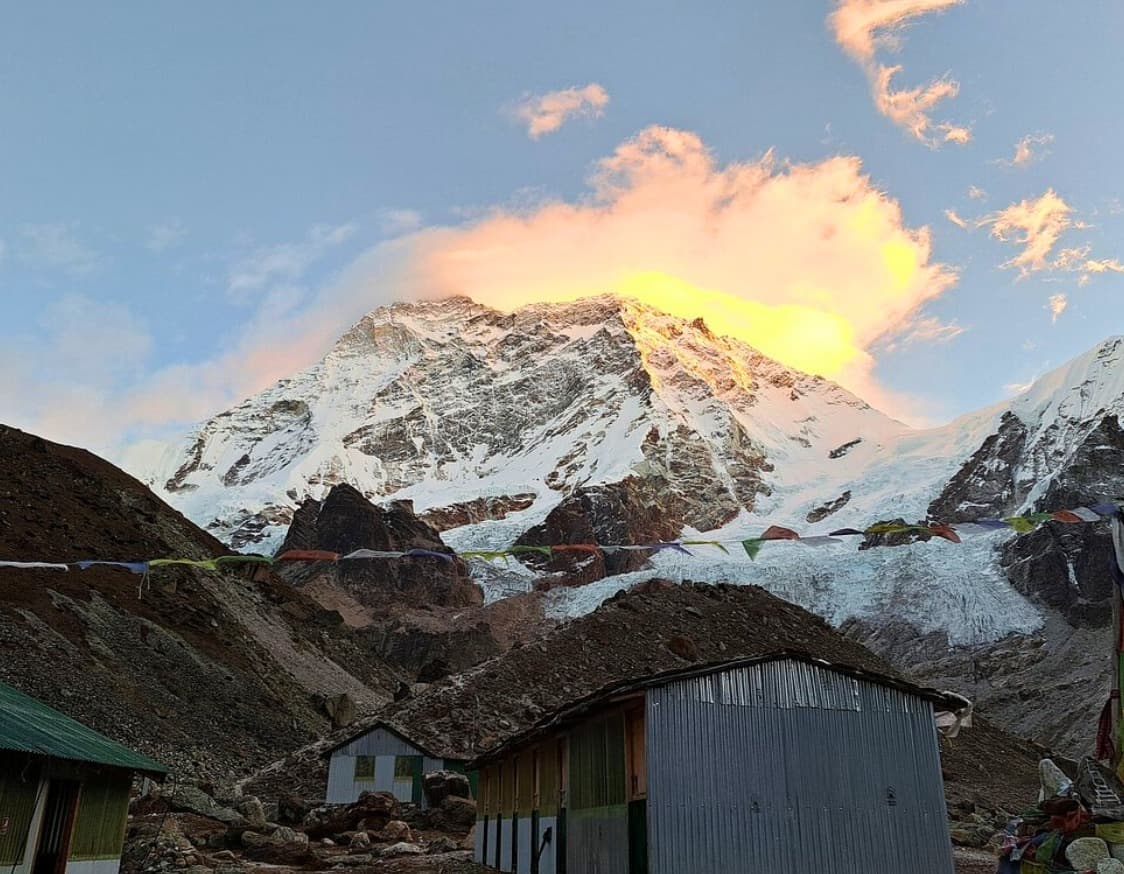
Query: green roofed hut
[[782, 763], [64, 791]]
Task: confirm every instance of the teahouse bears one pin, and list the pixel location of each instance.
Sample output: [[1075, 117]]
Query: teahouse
[[64, 791], [781, 763], [381, 758]]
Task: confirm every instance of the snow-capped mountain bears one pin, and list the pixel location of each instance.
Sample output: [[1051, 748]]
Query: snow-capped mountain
[[494, 423], [489, 421]]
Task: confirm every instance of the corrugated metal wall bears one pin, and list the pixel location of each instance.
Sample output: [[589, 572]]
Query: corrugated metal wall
[[597, 815], [19, 792], [384, 747], [789, 768], [103, 810]]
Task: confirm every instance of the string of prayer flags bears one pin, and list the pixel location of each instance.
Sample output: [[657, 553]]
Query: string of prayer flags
[[751, 545]]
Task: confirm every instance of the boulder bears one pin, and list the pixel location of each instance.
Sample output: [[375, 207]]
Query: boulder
[[375, 808], [402, 849], [192, 799], [396, 831], [439, 785], [443, 844], [360, 841], [459, 812], [469, 842], [291, 809], [253, 811], [1085, 854]]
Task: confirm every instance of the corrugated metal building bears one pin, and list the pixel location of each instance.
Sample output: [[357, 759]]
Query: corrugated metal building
[[781, 764], [382, 759], [64, 791]]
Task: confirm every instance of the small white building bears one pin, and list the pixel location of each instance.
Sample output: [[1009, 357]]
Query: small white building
[[382, 759]]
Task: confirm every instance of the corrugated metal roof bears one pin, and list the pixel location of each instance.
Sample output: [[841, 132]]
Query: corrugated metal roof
[[30, 726], [385, 726], [577, 709]]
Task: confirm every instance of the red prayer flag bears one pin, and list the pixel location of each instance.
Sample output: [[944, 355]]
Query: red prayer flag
[[308, 555], [776, 532], [1065, 516], [945, 531]]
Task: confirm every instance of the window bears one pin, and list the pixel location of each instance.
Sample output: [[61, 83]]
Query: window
[[364, 767], [404, 767]]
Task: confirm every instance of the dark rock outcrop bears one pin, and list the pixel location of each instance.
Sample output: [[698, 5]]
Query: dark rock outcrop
[[1068, 567], [345, 521], [633, 510]]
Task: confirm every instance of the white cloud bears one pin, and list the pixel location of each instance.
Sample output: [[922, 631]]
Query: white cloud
[[954, 217], [546, 113], [286, 262], [1027, 151], [55, 246], [976, 193], [863, 28], [1037, 224], [1057, 305], [166, 235], [921, 329]]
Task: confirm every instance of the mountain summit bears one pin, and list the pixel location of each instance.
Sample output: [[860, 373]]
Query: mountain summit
[[607, 418], [449, 402]]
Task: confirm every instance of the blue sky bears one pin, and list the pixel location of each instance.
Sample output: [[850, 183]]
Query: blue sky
[[180, 187]]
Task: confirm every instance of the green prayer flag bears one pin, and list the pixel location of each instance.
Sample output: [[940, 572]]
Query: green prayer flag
[[752, 546]]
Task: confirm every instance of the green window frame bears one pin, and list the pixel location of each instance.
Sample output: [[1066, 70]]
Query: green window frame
[[404, 767], [365, 768]]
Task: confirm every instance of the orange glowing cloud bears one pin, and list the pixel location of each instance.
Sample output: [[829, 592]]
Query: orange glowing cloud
[[810, 263], [861, 28]]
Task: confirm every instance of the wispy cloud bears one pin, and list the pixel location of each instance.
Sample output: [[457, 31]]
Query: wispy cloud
[[395, 222], [1027, 151], [976, 193], [954, 217], [546, 113], [863, 28], [285, 262], [55, 246], [921, 329], [165, 235], [1037, 225], [1057, 304]]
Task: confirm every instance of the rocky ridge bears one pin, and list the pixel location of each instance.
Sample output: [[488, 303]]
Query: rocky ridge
[[207, 672]]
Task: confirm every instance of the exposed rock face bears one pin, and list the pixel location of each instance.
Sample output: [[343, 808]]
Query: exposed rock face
[[483, 509], [1068, 566], [632, 511], [345, 521], [986, 486], [818, 514], [431, 648]]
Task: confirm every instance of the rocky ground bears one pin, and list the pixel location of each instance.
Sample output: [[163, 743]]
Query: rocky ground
[[194, 833]]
